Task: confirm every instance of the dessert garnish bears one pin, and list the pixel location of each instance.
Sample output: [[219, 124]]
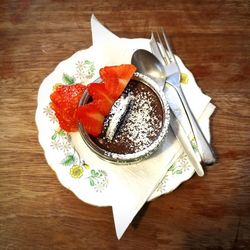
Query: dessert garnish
[[91, 117], [116, 78], [64, 102], [101, 97]]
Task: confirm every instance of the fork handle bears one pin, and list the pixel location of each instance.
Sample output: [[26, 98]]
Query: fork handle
[[205, 150]]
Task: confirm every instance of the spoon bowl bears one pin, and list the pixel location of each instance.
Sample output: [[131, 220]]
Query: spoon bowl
[[148, 64]]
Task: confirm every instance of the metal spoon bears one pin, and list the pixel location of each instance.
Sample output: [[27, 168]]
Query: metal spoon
[[148, 65]]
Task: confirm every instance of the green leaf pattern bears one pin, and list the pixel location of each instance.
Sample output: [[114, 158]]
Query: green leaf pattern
[[194, 145], [68, 80], [69, 160], [98, 179], [60, 140], [180, 166]]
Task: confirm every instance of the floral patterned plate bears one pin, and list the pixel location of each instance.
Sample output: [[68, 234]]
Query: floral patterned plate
[[88, 183]]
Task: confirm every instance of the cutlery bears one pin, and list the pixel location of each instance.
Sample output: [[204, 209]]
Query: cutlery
[[146, 68], [164, 51]]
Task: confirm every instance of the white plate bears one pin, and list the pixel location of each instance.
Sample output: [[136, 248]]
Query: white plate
[[89, 184]]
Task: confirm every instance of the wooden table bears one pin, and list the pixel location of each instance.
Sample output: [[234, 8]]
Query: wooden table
[[36, 212]]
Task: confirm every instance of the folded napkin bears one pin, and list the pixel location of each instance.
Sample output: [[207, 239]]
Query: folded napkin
[[132, 185]]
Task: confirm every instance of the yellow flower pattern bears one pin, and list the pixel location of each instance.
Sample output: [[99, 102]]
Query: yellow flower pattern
[[184, 78], [55, 86], [76, 171]]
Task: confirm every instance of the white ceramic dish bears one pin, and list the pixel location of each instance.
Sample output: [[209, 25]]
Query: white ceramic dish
[[88, 183]]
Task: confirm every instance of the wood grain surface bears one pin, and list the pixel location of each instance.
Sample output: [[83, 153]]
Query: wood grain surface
[[213, 39]]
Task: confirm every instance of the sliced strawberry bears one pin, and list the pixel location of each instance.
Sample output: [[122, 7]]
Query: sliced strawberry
[[64, 102], [91, 118], [116, 78], [101, 97], [114, 87]]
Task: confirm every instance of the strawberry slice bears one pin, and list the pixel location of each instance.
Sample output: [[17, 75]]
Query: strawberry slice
[[64, 102], [101, 97], [116, 78], [91, 118]]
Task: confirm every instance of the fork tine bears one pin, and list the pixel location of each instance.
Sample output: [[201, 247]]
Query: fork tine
[[171, 55], [160, 49], [164, 53], [156, 49]]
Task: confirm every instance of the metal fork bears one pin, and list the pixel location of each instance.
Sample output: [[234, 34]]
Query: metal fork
[[163, 51]]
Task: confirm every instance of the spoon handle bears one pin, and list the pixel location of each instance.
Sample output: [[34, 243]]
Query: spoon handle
[[205, 150], [185, 142]]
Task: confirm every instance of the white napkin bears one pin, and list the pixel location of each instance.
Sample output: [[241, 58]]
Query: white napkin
[[132, 184]]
